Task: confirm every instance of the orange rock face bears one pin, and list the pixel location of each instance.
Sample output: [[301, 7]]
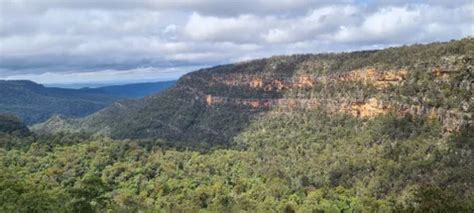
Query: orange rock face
[[368, 109], [213, 100], [377, 78], [231, 82], [373, 107], [365, 109], [443, 73], [209, 100], [272, 83], [253, 103], [256, 83], [305, 81], [394, 75]]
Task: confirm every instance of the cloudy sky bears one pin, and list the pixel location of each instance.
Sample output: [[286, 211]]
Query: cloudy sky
[[81, 41]]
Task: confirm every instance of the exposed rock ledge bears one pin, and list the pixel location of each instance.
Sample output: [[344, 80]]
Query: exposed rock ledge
[[372, 107], [380, 79]]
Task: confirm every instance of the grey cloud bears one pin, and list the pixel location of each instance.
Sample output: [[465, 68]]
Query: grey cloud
[[80, 36], [340, 23], [211, 7]]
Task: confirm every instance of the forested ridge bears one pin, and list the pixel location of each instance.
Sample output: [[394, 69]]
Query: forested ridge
[[35, 103], [372, 131], [434, 77]]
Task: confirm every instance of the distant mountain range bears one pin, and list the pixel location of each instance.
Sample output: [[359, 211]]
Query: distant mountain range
[[136, 90], [35, 103]]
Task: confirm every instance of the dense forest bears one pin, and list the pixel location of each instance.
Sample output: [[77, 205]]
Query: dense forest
[[390, 165], [371, 131]]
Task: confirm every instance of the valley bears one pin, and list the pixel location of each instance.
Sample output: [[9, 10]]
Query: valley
[[370, 131], [35, 103], [254, 106]]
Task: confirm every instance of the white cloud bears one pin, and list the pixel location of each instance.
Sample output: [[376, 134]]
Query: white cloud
[[276, 36], [56, 36], [314, 25], [408, 24], [243, 28], [384, 24]]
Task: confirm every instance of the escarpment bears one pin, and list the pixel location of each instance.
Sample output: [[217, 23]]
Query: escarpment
[[266, 83], [367, 107], [380, 78], [212, 106]]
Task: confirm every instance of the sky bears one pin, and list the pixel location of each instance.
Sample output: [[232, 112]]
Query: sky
[[109, 41]]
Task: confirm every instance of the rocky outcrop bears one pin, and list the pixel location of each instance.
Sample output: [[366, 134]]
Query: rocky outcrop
[[451, 120], [449, 66], [370, 108], [264, 103], [365, 109], [265, 82], [380, 79]]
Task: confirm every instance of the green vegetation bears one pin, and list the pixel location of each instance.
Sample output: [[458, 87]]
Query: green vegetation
[[172, 152], [35, 103], [137, 90], [332, 164], [180, 114], [12, 125]]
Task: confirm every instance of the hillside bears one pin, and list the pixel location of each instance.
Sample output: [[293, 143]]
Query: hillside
[[370, 131], [212, 106], [35, 103], [137, 90], [11, 124]]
